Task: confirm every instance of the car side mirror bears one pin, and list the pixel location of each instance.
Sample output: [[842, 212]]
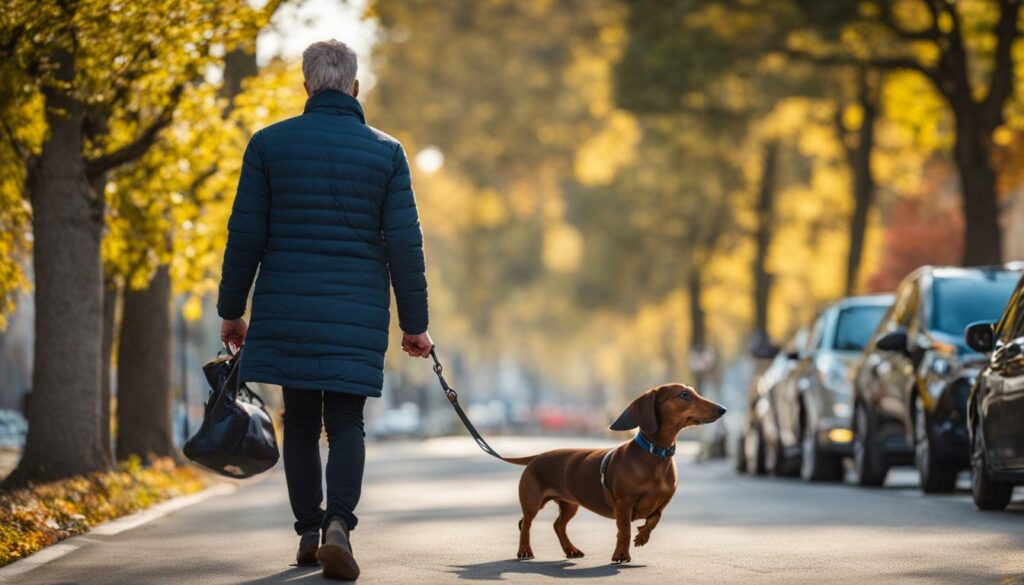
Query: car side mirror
[[764, 351], [981, 337], [893, 341]]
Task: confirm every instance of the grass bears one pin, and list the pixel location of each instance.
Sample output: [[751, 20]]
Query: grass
[[40, 515]]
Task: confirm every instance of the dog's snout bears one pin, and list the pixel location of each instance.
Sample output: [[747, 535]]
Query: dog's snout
[[721, 410]]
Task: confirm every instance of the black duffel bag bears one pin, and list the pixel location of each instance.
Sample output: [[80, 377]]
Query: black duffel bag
[[237, 436]]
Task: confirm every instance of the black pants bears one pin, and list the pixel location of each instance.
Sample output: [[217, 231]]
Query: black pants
[[306, 412]]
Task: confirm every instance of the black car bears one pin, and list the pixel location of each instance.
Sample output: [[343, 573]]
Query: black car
[[807, 430], [995, 409], [912, 383]]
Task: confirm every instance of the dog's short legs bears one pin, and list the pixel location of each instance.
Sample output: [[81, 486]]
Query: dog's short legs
[[644, 532], [623, 516], [530, 510], [525, 552], [566, 510]]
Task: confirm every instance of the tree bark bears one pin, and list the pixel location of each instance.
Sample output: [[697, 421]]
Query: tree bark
[[980, 198], [64, 434], [858, 155], [144, 371], [239, 65], [698, 322], [110, 294], [763, 240]]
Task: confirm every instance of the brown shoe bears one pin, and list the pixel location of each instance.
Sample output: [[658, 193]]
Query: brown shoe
[[308, 544], [336, 553]]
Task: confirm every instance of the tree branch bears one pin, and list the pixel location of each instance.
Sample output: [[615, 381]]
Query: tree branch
[[1002, 73], [140, 145], [883, 63], [17, 146]]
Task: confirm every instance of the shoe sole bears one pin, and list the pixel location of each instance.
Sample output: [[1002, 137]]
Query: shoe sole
[[307, 560], [338, 563]]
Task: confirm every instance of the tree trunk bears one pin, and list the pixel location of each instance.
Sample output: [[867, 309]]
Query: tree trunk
[[698, 323], [144, 371], [858, 156], [110, 294], [239, 65], [763, 240], [982, 232], [64, 434], [98, 185]]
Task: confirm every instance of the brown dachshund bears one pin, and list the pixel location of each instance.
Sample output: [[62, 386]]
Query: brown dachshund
[[632, 481]]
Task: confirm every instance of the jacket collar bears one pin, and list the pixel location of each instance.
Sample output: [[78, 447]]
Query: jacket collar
[[330, 101]]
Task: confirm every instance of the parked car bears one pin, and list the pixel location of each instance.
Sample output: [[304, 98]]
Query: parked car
[[995, 407], [753, 446], [912, 383], [810, 407], [13, 429]]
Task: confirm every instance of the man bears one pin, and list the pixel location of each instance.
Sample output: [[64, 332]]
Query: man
[[325, 209]]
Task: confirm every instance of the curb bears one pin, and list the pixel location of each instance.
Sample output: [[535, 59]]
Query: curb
[[111, 527]]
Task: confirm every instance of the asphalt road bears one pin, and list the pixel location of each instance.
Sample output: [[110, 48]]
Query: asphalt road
[[439, 511]]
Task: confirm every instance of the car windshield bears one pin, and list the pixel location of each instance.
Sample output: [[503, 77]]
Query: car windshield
[[960, 301], [855, 326]]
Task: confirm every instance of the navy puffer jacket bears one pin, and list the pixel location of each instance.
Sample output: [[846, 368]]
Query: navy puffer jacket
[[325, 209]]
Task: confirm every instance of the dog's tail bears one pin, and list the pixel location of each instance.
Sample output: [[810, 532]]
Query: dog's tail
[[519, 460]]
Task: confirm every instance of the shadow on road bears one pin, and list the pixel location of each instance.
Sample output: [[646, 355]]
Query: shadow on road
[[294, 574], [493, 571]]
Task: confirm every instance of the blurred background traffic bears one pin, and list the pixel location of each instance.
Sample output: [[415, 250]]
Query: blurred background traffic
[[736, 195]]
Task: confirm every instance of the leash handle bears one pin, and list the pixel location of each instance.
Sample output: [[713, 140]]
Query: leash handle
[[453, 399]]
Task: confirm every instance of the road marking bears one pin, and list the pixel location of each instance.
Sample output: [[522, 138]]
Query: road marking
[[51, 553]]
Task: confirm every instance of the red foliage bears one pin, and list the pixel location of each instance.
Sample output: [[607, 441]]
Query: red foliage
[[919, 232]]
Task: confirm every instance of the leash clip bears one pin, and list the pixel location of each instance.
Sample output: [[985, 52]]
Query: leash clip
[[449, 392]]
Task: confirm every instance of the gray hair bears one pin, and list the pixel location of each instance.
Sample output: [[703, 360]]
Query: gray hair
[[329, 65]]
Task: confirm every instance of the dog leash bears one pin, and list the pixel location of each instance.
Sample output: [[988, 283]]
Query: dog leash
[[453, 399]]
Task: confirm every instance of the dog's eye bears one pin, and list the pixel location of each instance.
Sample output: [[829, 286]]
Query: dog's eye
[[685, 395]]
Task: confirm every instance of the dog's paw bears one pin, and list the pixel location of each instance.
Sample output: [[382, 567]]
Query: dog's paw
[[574, 553], [621, 557], [641, 539], [524, 554]]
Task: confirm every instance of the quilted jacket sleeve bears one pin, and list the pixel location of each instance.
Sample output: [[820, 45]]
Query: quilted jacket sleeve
[[247, 232], [403, 240]]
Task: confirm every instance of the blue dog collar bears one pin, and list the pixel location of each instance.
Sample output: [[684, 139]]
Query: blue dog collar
[[653, 449]]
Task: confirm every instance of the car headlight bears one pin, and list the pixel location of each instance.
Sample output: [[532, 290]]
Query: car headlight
[[942, 366], [841, 410], [836, 378], [835, 375]]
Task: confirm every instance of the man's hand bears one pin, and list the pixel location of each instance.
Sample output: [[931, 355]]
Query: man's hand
[[232, 333], [417, 345]]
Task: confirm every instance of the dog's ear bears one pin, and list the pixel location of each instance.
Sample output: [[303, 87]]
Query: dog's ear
[[640, 413]]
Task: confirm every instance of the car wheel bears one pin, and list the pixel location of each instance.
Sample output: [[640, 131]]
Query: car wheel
[[755, 452], [868, 458], [778, 464], [988, 493], [937, 475], [740, 460], [817, 466]]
